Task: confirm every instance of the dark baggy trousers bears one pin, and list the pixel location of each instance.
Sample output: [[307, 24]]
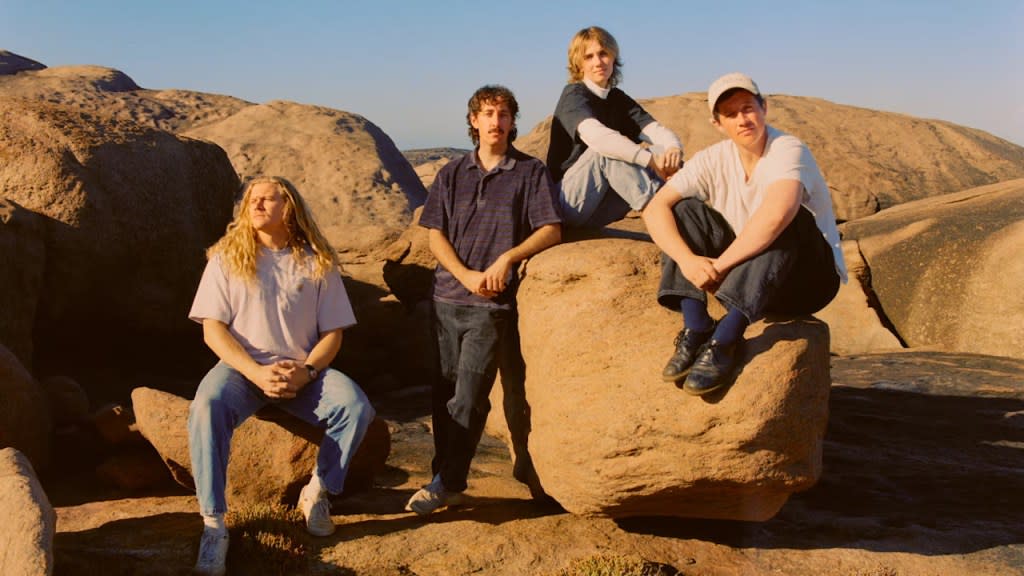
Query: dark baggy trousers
[[795, 275], [473, 343]]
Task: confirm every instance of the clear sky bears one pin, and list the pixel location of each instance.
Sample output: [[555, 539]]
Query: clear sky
[[409, 67]]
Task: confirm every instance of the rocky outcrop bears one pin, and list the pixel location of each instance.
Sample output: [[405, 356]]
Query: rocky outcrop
[[947, 270], [359, 187], [29, 526], [22, 242], [272, 454], [610, 439], [112, 93], [881, 159], [24, 413], [129, 212], [11, 63]]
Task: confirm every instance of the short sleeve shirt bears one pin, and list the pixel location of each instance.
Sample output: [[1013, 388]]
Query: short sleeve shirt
[[716, 176], [484, 214], [281, 313], [577, 103]]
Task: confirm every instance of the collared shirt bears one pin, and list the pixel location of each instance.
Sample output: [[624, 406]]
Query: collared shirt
[[485, 214]]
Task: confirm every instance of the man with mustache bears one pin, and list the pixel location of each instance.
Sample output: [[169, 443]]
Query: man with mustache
[[486, 212], [749, 220], [603, 141]]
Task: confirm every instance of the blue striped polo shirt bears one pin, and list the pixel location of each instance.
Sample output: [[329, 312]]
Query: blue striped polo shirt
[[484, 214]]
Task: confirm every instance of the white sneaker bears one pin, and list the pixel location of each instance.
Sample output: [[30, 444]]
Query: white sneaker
[[317, 510], [431, 497], [213, 553]]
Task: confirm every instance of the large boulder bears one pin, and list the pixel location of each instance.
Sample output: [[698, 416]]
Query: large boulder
[[610, 439], [11, 63], [111, 92], [871, 159], [359, 187], [25, 421], [129, 212], [26, 538], [22, 241], [272, 455], [947, 270]]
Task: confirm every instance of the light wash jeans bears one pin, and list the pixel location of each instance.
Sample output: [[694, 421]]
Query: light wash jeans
[[585, 186], [225, 399]]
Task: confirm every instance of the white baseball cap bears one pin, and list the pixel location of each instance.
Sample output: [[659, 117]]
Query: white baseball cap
[[728, 82]]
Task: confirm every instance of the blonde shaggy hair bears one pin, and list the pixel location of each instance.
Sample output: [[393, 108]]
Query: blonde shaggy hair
[[238, 247], [578, 46]]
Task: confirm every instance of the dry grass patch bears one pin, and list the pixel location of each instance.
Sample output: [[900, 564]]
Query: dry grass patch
[[267, 539]]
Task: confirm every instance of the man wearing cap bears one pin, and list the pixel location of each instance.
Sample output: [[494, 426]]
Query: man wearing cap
[[749, 220], [602, 140]]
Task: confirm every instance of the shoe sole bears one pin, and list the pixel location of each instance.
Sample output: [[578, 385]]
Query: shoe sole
[[454, 499], [321, 533], [675, 378], [693, 392]]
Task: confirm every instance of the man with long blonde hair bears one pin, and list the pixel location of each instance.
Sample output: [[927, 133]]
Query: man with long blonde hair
[[273, 308], [606, 153]]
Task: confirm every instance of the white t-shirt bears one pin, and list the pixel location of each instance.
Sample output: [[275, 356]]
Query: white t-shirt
[[716, 176], [280, 314]]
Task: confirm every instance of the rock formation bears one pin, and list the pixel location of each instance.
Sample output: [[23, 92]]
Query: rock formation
[[22, 242], [26, 535], [25, 421], [271, 456], [610, 439], [358, 185], [128, 213], [947, 270]]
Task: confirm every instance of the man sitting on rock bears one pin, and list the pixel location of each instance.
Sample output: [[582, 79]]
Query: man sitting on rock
[[601, 139], [273, 307], [749, 220], [486, 212]]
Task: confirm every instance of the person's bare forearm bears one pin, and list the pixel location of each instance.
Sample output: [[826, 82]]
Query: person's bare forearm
[[224, 344], [779, 207]]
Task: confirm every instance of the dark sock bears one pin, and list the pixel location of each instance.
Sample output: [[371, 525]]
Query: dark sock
[[730, 329], [695, 315]]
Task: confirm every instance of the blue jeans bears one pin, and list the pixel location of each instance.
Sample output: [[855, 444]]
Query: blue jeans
[[586, 185], [795, 275], [225, 399], [473, 343]]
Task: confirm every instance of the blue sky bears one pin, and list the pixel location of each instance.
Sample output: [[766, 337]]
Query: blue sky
[[409, 67]]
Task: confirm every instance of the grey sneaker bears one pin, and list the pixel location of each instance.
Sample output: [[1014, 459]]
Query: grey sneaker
[[317, 511], [431, 497], [213, 553]]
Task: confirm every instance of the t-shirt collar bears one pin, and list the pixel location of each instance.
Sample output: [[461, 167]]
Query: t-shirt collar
[[601, 93]]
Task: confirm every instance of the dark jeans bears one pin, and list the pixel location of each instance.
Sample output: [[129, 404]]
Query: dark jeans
[[795, 275], [473, 343]]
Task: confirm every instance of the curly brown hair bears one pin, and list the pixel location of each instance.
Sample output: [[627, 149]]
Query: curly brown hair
[[491, 94]]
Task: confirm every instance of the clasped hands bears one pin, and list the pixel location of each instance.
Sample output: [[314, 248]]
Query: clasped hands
[[667, 163], [281, 380], [702, 272], [491, 281]]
